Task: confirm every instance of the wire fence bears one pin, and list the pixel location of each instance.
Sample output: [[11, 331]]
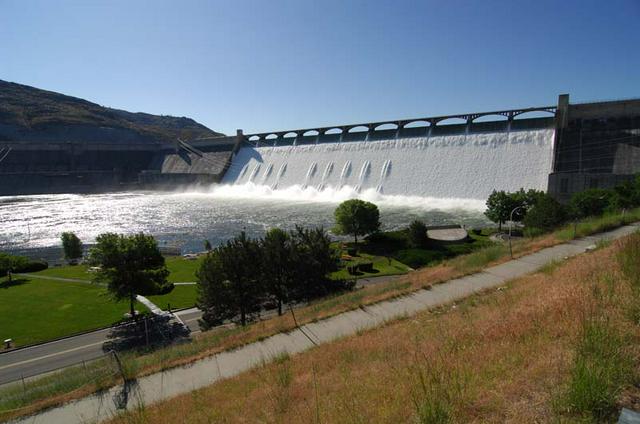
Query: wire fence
[[99, 373], [144, 334]]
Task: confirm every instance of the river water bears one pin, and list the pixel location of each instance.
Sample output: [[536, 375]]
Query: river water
[[183, 220]]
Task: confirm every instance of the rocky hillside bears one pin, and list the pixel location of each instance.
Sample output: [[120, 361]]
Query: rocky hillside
[[31, 114]]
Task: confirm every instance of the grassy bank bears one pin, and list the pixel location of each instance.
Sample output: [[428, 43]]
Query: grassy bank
[[509, 355], [208, 343]]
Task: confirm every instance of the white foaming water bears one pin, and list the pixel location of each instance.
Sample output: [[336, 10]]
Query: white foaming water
[[455, 171], [309, 194]]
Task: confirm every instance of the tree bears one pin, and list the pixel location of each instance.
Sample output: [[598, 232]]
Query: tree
[[592, 202], [314, 259], [278, 271], [357, 217], [546, 214], [230, 283], [417, 234], [499, 207], [625, 195], [72, 246], [207, 245], [130, 265]]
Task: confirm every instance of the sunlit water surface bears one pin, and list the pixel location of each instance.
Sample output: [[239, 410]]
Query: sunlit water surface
[[183, 220]]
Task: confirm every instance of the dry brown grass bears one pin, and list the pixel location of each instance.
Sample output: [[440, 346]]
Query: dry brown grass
[[209, 343], [499, 357]]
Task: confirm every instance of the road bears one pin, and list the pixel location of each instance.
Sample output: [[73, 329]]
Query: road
[[35, 360]]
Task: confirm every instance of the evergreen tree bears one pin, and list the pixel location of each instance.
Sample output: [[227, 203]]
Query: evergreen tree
[[229, 282], [278, 267]]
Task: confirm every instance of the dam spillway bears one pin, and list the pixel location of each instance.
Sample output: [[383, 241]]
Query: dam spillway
[[462, 166]]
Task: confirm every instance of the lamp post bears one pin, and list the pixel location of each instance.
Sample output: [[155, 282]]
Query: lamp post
[[511, 225]]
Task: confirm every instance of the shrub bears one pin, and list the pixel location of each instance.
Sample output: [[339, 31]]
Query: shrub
[[19, 264], [592, 202], [417, 234], [546, 214], [366, 266], [32, 266], [416, 258], [352, 251]]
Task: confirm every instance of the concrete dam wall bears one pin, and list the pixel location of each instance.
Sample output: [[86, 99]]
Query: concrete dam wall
[[465, 166]]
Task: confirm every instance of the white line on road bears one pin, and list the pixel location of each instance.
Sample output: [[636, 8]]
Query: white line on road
[[50, 355]]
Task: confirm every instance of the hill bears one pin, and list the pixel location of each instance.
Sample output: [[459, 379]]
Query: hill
[[31, 114]]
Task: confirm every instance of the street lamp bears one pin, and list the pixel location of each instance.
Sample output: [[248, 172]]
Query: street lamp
[[511, 225]]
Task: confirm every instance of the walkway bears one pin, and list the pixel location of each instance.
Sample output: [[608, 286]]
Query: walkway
[[157, 387], [48, 277]]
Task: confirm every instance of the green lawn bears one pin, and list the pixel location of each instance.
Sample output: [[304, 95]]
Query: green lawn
[[34, 310], [180, 297], [78, 272], [381, 265], [182, 270]]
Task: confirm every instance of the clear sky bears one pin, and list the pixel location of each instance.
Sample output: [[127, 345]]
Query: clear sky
[[271, 64]]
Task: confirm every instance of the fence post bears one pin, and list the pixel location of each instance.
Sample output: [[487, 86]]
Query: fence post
[[115, 355], [146, 331]]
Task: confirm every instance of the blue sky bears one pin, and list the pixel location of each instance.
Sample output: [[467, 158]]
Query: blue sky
[[270, 65]]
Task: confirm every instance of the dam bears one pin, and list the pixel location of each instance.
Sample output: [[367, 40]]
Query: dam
[[562, 148], [466, 166]]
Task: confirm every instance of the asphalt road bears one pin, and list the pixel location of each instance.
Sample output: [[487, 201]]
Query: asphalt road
[[32, 361]]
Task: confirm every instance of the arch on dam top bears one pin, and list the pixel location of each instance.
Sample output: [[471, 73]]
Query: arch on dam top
[[358, 128], [497, 116], [418, 123], [526, 114], [386, 126], [254, 138], [429, 122], [453, 120], [290, 134]]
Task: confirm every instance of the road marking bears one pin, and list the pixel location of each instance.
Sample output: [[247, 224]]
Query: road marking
[[63, 339], [50, 355]]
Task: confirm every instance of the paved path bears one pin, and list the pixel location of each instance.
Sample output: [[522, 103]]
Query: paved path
[[157, 387], [48, 277]]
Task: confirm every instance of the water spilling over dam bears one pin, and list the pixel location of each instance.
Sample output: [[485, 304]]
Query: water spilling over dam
[[459, 166]]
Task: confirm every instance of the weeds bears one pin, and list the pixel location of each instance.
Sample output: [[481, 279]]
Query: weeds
[[601, 368], [436, 391]]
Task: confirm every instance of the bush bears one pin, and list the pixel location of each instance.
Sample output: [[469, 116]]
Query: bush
[[546, 214], [592, 202], [366, 266], [19, 264], [32, 266], [416, 258], [352, 251], [417, 234]]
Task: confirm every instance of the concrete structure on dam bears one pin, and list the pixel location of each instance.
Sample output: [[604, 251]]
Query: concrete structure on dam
[[595, 145]]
